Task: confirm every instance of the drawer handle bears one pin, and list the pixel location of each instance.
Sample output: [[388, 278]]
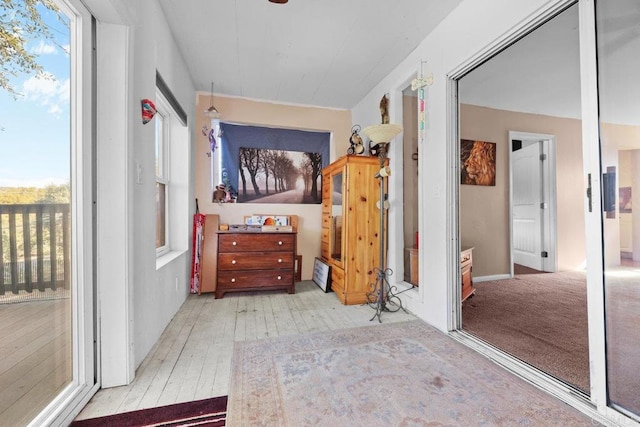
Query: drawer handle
[[279, 277], [280, 242], [233, 280], [234, 243], [279, 259], [233, 261]]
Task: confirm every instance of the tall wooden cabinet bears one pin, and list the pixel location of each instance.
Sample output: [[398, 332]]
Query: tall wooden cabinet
[[350, 225]]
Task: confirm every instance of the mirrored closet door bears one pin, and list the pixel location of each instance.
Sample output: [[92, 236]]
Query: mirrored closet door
[[618, 44]]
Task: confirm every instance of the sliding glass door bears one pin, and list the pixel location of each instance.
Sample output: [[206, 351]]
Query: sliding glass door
[[47, 362], [618, 44], [521, 201], [564, 95]]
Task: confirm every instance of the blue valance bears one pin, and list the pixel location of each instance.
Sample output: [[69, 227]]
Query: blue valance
[[235, 137]]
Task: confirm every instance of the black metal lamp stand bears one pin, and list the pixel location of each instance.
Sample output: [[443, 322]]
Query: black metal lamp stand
[[382, 297]]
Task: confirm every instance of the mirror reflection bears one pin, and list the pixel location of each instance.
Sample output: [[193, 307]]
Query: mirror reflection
[[618, 42], [336, 216], [521, 201], [410, 184]]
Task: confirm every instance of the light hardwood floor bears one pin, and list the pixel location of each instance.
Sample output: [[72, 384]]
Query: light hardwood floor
[[192, 359], [35, 356]]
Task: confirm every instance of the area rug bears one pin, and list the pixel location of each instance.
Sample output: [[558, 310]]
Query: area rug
[[396, 374], [206, 412]]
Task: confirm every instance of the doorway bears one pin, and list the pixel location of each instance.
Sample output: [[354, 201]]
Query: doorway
[[532, 194], [410, 184]]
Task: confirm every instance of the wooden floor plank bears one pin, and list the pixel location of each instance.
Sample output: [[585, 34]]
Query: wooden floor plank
[[38, 395], [131, 397], [269, 318], [285, 324], [176, 336], [193, 357], [213, 324]]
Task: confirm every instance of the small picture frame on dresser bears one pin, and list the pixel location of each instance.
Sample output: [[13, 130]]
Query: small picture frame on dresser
[[322, 275]]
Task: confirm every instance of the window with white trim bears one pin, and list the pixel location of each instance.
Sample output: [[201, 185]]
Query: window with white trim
[[162, 139], [172, 176]]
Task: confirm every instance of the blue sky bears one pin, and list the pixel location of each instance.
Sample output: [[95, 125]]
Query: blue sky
[[34, 129]]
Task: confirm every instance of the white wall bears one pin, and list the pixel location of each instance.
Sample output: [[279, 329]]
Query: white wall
[[453, 43], [156, 299], [261, 113], [146, 296]]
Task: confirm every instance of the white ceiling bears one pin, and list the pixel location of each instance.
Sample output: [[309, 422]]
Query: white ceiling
[[540, 73], [331, 53], [327, 53]]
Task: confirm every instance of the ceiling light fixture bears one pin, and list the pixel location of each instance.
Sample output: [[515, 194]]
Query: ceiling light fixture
[[278, 1], [212, 111]]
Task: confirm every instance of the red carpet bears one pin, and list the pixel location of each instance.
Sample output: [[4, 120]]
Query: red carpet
[[207, 412]]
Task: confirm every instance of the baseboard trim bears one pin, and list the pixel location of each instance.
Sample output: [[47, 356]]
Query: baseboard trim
[[489, 278]]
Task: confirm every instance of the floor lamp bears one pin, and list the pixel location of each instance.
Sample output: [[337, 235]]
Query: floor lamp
[[381, 298]]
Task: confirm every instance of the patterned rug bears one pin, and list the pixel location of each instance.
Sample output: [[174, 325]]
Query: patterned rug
[[399, 374], [201, 413]]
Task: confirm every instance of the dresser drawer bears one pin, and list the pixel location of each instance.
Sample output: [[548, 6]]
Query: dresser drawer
[[465, 259], [255, 242], [255, 260], [254, 279]]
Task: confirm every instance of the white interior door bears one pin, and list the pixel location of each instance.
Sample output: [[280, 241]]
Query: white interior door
[[526, 174]]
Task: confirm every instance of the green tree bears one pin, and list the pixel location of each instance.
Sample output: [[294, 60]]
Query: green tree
[[19, 195], [55, 194], [20, 23]]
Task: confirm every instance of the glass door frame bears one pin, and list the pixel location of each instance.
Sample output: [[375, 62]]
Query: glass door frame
[[596, 404], [84, 384]]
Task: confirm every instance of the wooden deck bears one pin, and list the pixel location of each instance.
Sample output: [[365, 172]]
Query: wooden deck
[[35, 357], [192, 358]]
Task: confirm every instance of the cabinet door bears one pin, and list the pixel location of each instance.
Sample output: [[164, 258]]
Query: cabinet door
[[325, 252], [336, 241]]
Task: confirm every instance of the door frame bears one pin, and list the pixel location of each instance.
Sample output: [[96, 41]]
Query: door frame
[[549, 217], [84, 384], [596, 404]]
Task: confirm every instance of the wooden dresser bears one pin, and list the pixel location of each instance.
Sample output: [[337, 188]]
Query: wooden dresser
[[253, 261], [466, 266]]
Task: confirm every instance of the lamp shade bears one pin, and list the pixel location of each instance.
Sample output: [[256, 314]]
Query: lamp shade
[[382, 133], [212, 112]]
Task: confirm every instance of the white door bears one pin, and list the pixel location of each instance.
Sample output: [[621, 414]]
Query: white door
[[526, 175]]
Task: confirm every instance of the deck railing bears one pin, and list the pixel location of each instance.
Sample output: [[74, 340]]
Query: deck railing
[[35, 247]]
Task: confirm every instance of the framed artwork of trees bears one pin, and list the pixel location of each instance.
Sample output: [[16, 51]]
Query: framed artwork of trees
[[278, 176], [271, 165]]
